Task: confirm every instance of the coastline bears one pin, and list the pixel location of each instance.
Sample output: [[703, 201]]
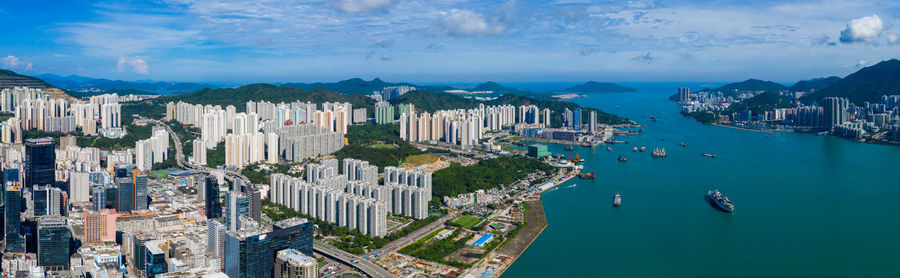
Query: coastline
[[534, 216]]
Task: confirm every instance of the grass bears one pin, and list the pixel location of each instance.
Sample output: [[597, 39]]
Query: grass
[[382, 146], [422, 159], [467, 221]]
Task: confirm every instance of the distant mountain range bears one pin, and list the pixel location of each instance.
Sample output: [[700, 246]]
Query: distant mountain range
[[10, 79], [80, 83], [597, 87], [814, 84], [754, 85], [358, 86]]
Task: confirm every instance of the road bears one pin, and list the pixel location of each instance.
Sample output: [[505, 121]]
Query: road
[[364, 266], [179, 156], [415, 235]]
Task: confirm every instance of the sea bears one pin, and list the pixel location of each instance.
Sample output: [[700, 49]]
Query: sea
[[805, 205]]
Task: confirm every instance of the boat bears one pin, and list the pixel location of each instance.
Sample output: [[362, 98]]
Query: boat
[[643, 148], [622, 159], [578, 158], [652, 118], [719, 200], [617, 200], [682, 144], [634, 149], [608, 148], [659, 152], [587, 176], [709, 155], [569, 148]]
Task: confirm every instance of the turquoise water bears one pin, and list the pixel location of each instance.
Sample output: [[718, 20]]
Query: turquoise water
[[805, 205]]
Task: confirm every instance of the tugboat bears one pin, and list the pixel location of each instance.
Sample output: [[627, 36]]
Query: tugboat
[[622, 159], [587, 176], [659, 152], [643, 148], [617, 200], [682, 144], [709, 155], [719, 200], [569, 148]]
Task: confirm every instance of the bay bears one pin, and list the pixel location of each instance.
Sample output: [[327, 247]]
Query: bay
[[806, 205]]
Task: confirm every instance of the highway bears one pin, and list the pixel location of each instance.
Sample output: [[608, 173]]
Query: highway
[[415, 235], [364, 266], [179, 156]]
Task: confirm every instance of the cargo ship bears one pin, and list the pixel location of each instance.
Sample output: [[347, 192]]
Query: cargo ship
[[719, 200]]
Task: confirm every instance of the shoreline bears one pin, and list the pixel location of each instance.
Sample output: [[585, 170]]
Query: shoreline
[[744, 129], [542, 219]]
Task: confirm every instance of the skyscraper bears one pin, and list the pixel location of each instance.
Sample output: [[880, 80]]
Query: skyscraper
[[53, 242], [684, 94], [13, 212], [593, 120], [40, 162], [290, 263], [125, 196], [835, 112], [211, 198], [576, 119], [215, 238], [252, 254], [140, 192], [100, 226]]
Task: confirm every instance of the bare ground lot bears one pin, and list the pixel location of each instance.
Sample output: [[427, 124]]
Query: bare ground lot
[[535, 223]]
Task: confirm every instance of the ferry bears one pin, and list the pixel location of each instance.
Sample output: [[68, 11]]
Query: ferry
[[659, 152], [682, 144], [622, 159], [569, 148], [719, 200], [617, 200], [643, 148], [709, 155]]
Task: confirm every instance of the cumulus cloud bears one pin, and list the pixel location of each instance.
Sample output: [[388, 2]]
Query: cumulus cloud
[[362, 6], [820, 40], [465, 23], [136, 65], [862, 29], [646, 58], [861, 63], [893, 39], [13, 62], [385, 57]]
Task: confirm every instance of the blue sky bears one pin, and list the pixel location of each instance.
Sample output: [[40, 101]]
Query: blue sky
[[447, 40]]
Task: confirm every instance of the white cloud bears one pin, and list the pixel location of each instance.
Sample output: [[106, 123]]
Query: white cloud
[[362, 6], [646, 58], [465, 23], [385, 57], [861, 63], [136, 65], [893, 39], [862, 29], [13, 62]]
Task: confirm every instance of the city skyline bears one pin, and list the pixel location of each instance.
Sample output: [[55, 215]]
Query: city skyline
[[303, 41]]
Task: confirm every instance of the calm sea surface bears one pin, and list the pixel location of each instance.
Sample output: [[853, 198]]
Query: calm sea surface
[[805, 205]]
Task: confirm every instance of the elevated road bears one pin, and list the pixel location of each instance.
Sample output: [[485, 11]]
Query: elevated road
[[366, 267], [179, 156]]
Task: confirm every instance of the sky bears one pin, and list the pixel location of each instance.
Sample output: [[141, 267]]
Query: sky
[[239, 41]]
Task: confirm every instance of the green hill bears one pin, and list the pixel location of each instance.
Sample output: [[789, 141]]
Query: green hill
[[867, 84], [597, 87], [258, 92], [759, 103], [814, 84], [428, 101], [498, 89], [754, 85], [10, 79]]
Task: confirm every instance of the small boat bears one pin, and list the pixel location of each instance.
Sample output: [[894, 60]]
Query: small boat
[[682, 144], [587, 176], [659, 152], [652, 118], [709, 155], [643, 148], [608, 148], [622, 159], [634, 149], [569, 148], [719, 200], [617, 200]]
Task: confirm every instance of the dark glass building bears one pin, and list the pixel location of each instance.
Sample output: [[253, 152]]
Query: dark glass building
[[155, 260], [252, 254], [13, 212], [40, 162], [213, 203], [53, 242], [40, 196], [126, 194], [140, 192]]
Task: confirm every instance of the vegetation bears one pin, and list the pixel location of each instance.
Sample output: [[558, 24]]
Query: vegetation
[[465, 221], [134, 133], [359, 136], [867, 84], [349, 86], [499, 89], [422, 159], [814, 84], [755, 85], [759, 103], [146, 109], [373, 133], [348, 240], [430, 102], [598, 87], [169, 162], [706, 117], [268, 92], [257, 175], [438, 249], [216, 158], [486, 174]]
